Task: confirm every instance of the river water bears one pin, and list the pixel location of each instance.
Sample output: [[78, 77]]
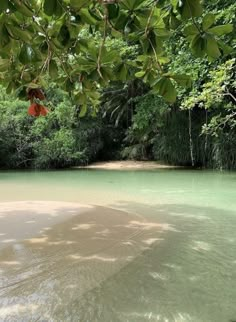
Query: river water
[[107, 246]]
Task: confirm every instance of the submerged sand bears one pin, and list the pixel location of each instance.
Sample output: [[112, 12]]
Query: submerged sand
[[52, 253], [128, 165]]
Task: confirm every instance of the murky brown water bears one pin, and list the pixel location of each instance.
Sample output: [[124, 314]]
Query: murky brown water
[[115, 246]]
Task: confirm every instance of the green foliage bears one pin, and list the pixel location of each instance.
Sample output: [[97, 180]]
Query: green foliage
[[118, 101], [217, 94], [172, 143], [15, 144], [213, 119], [203, 37], [58, 150], [59, 140], [43, 40], [147, 121], [224, 151]]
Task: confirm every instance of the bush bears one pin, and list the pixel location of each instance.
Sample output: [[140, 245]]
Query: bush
[[60, 139]]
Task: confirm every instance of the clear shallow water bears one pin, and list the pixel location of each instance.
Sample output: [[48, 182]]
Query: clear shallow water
[[167, 253]]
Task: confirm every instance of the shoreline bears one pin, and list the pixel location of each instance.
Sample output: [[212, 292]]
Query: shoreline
[[128, 165]]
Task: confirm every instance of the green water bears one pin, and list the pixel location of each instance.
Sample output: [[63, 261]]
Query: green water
[[187, 272]]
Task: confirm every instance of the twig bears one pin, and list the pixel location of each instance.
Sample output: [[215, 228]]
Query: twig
[[229, 94], [103, 42], [190, 137], [149, 20], [155, 54]]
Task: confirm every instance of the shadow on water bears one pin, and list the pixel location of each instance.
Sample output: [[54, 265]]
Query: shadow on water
[[154, 263]]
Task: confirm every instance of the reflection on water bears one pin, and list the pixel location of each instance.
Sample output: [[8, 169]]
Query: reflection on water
[[165, 258]]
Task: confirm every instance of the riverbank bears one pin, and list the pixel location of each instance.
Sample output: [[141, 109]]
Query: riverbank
[[128, 165]]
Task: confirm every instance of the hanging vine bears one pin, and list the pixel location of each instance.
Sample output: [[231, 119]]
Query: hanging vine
[[190, 137]]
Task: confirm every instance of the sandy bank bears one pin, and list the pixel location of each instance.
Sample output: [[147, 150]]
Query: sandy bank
[[128, 165]]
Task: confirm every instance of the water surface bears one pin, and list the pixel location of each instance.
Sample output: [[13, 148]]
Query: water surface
[[157, 245]]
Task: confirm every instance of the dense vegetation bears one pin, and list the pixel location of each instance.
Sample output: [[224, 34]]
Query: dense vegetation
[[174, 105]]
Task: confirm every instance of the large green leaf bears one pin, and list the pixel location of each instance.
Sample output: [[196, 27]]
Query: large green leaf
[[27, 55], [208, 21], [95, 15], [161, 32], [190, 8], [113, 11], [59, 9], [4, 36], [226, 49], [87, 17], [83, 110], [121, 21], [4, 5], [198, 45], [21, 7], [132, 4], [173, 21], [4, 65], [140, 74], [221, 30], [86, 65], [50, 7], [121, 72], [109, 57], [212, 47], [181, 79], [18, 33], [26, 76], [64, 35], [10, 87], [165, 88], [191, 30]]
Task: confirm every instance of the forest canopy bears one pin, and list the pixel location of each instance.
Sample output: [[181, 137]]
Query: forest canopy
[[70, 41]]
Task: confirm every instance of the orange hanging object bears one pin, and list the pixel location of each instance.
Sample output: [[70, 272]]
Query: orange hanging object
[[36, 110], [36, 93]]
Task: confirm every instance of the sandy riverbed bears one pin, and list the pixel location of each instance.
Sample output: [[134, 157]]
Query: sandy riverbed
[[53, 253]]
